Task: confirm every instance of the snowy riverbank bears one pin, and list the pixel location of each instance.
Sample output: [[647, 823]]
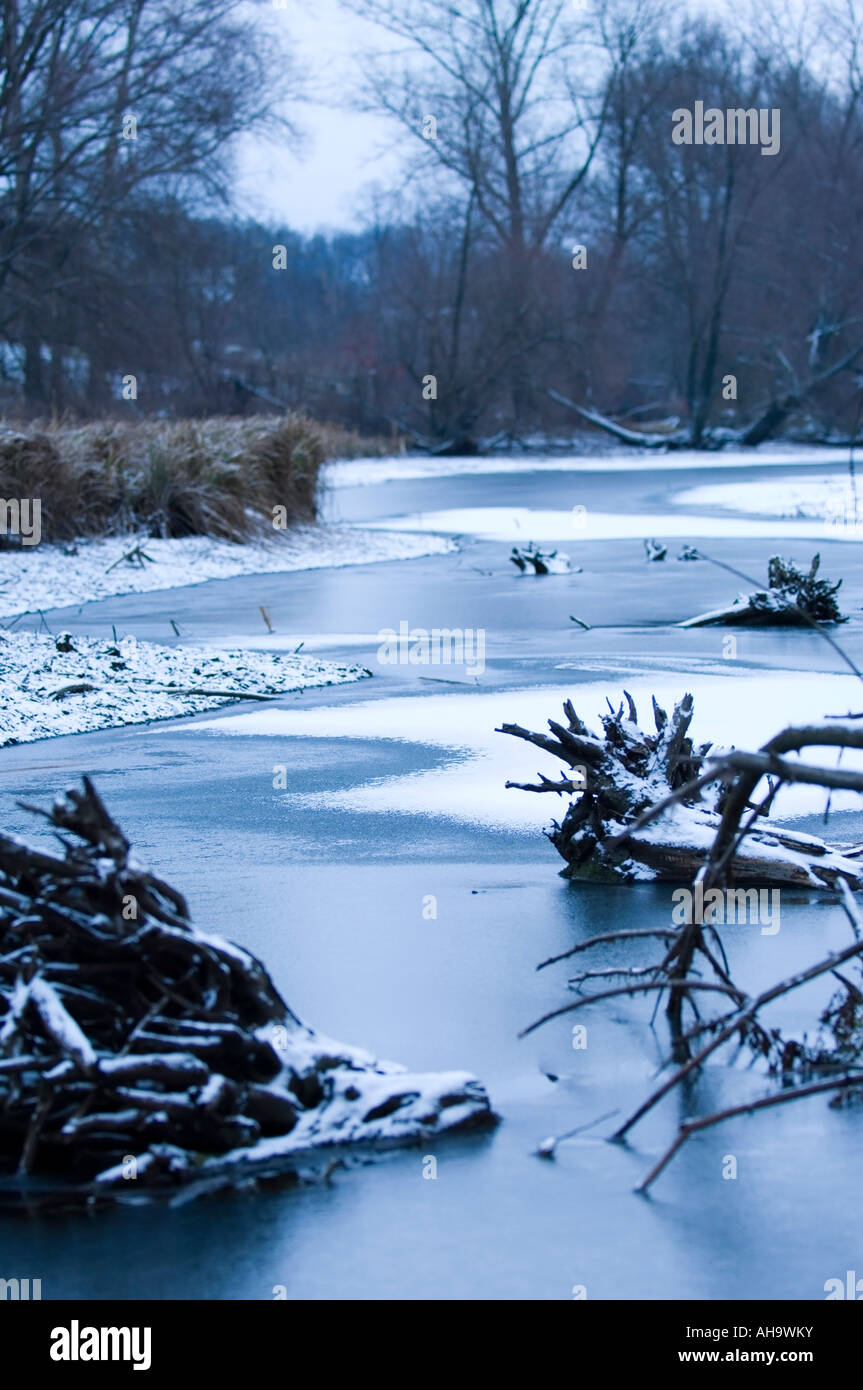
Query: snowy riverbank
[[62, 576], [55, 685]]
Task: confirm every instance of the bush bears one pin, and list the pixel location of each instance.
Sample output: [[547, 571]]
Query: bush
[[210, 477]]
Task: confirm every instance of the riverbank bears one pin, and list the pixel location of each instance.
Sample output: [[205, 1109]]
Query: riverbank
[[62, 576], [51, 686]]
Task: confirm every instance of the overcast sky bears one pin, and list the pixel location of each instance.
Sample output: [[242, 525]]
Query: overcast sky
[[321, 188]]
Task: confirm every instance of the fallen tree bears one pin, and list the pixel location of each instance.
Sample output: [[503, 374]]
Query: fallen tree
[[648, 806], [772, 416], [640, 439], [139, 1056]]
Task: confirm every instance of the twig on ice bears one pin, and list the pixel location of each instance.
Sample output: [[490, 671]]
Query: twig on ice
[[689, 1127]]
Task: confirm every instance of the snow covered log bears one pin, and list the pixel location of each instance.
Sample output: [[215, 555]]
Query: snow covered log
[[651, 806], [792, 599], [139, 1055]]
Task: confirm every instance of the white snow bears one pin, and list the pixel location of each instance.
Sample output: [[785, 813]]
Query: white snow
[[410, 1105], [697, 826], [60, 1023], [828, 498], [60, 576], [470, 786], [133, 682], [426, 1105], [401, 468], [431, 1102], [529, 524]]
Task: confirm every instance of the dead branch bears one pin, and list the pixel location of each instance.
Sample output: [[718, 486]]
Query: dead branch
[[689, 1127], [737, 1021]]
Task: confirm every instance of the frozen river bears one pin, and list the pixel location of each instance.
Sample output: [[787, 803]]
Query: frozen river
[[394, 796]]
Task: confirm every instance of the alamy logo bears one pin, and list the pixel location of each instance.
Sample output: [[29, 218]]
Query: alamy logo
[[76, 1343], [719, 906], [851, 1287], [442, 646], [736, 126], [23, 518], [20, 1289]]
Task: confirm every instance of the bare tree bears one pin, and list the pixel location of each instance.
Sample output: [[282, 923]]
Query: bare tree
[[99, 100], [504, 102], [515, 104]]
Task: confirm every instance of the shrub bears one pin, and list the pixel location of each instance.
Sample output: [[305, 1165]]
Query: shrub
[[215, 477]]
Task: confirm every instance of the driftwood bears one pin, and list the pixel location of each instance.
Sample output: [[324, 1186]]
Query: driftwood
[[532, 560], [648, 806], [692, 968], [139, 1055], [792, 598]]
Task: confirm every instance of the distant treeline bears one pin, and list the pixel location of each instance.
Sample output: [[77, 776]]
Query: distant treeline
[[553, 238]]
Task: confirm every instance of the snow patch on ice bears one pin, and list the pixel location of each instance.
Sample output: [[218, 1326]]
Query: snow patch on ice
[[828, 498], [529, 524], [470, 786]]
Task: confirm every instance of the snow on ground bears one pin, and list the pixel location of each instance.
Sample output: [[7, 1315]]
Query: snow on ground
[[828, 498], [61, 576], [402, 467], [469, 787], [536, 524], [57, 685]]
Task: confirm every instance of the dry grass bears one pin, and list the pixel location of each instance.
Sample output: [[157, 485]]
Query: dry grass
[[214, 477], [341, 443]]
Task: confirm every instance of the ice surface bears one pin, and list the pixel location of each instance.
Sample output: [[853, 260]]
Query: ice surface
[[535, 524], [741, 707]]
